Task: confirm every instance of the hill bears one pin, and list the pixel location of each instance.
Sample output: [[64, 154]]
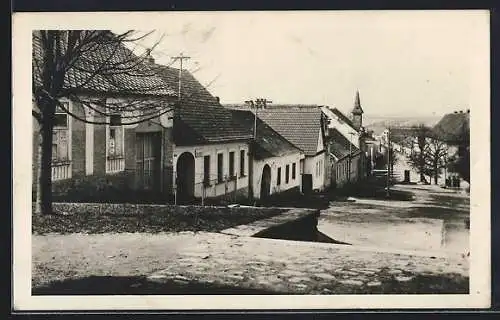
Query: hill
[[379, 123]]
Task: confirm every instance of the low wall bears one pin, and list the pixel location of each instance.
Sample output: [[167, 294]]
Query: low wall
[[295, 224], [302, 229]]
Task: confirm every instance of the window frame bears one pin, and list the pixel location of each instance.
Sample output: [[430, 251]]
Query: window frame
[[287, 174], [220, 167], [294, 169], [206, 170], [278, 176], [231, 165], [242, 162], [109, 129]]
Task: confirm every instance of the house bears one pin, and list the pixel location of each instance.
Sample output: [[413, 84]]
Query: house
[[192, 149], [454, 130], [305, 128], [275, 162], [351, 130], [98, 143], [345, 156]]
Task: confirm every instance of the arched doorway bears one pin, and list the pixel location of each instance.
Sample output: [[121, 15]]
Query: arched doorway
[[265, 184], [185, 177]]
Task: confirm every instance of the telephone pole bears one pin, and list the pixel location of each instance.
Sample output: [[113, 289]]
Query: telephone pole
[[180, 57], [258, 103]]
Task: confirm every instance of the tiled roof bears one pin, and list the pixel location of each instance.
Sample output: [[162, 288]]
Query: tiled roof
[[200, 118], [343, 117], [191, 89], [201, 122], [452, 127], [301, 126], [268, 142], [134, 77], [339, 145]]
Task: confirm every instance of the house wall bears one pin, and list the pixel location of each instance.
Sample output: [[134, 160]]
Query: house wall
[[87, 145], [240, 184], [341, 172], [310, 167], [275, 163], [342, 127]]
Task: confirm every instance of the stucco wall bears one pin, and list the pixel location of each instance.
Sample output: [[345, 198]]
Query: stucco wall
[[215, 189], [275, 163], [310, 168]]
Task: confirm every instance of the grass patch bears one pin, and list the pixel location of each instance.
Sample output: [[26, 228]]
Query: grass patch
[[109, 218]]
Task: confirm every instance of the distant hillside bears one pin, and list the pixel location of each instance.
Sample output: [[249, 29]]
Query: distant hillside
[[379, 123]]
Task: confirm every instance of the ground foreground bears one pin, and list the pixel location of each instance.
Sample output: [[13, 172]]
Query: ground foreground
[[224, 262]]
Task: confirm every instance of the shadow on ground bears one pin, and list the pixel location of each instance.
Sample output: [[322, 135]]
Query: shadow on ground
[[107, 285]]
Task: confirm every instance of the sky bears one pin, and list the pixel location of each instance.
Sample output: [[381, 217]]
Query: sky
[[403, 63]]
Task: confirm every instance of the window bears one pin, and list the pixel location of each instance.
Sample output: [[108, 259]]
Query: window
[[278, 181], [220, 167], [206, 170], [115, 136], [293, 171], [61, 120], [242, 163], [231, 164], [60, 136], [287, 173]]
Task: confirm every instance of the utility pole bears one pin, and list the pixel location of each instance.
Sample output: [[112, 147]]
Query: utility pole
[[254, 105], [258, 103], [180, 57]]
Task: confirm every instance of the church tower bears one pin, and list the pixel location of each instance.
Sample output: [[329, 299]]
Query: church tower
[[357, 113]]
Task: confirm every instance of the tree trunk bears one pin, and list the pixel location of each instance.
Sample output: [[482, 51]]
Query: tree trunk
[[44, 174], [38, 177]]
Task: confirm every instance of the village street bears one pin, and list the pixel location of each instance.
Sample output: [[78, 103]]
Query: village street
[[396, 246]]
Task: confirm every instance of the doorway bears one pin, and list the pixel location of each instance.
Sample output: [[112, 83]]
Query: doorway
[[185, 177], [265, 185]]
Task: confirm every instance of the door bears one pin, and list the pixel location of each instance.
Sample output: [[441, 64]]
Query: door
[[148, 156], [265, 185], [307, 184], [185, 177]]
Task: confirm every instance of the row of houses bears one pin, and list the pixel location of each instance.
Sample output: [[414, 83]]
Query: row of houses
[[201, 148]]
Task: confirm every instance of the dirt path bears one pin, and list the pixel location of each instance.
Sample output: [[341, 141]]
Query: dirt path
[[434, 220]]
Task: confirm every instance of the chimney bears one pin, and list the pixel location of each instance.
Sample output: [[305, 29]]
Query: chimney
[[149, 58], [468, 110], [455, 112], [218, 99], [461, 111]]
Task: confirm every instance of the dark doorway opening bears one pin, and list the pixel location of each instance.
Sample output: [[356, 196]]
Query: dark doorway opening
[[265, 185], [185, 177], [307, 184]]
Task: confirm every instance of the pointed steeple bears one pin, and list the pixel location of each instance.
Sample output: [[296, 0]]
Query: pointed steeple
[[357, 113], [357, 110]]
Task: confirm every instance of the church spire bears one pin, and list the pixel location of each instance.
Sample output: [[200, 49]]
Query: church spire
[[357, 113], [357, 110]]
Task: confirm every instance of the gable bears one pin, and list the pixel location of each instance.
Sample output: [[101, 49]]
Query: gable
[[299, 126]]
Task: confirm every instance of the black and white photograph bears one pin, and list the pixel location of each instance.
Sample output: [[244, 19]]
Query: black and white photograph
[[251, 160]]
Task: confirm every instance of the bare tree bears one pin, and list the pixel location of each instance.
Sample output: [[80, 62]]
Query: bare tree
[[419, 139], [435, 154], [72, 64]]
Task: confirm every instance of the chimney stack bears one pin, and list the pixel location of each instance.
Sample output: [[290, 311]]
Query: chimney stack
[[218, 99]]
